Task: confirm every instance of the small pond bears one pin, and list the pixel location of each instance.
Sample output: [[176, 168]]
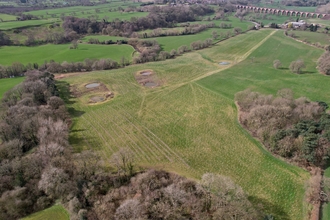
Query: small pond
[[145, 73], [92, 85], [224, 63]]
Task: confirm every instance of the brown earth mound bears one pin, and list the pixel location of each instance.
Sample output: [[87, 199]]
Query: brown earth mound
[[147, 78]]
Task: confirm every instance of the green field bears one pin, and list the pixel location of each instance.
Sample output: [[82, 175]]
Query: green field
[[275, 19], [56, 212], [312, 37], [87, 11], [6, 84], [60, 53], [5, 17], [20, 24], [189, 124], [174, 42]]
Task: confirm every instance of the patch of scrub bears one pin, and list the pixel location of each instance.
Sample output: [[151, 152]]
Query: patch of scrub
[[224, 63], [92, 85]]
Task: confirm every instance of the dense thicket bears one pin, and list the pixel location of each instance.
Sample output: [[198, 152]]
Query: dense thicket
[[297, 129], [34, 135], [162, 195]]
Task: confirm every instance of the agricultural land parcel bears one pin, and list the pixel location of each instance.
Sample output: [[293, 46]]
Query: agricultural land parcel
[[312, 37], [86, 11], [189, 124], [28, 23], [6, 17], [60, 53]]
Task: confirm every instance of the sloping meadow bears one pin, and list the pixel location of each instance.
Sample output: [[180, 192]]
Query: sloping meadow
[[189, 126]]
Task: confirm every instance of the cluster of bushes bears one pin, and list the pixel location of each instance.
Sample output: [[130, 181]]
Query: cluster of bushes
[[18, 69], [161, 195], [150, 50], [297, 129]]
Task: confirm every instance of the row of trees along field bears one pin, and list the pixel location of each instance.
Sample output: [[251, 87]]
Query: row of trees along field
[[38, 167], [296, 129], [149, 51], [158, 17]]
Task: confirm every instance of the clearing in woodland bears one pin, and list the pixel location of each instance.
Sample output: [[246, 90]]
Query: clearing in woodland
[[189, 124]]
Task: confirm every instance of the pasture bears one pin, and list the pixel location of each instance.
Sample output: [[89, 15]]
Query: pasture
[[55, 212], [60, 53], [6, 84], [98, 11], [28, 23], [312, 37], [174, 42], [189, 123], [6, 17]]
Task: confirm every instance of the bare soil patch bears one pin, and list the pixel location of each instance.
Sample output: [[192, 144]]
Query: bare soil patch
[[98, 92], [147, 78], [101, 97]]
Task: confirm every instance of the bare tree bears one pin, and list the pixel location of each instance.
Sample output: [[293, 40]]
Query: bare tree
[[296, 66], [124, 162], [277, 64]]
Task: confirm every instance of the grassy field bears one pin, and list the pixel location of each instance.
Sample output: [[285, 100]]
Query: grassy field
[[6, 84], [189, 124], [274, 19], [56, 212], [60, 53], [87, 11], [313, 37], [5, 17], [20, 24], [174, 42]]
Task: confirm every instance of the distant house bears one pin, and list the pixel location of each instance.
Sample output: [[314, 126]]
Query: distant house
[[294, 24]]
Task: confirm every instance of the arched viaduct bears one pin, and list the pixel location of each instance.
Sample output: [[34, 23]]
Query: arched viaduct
[[282, 12]]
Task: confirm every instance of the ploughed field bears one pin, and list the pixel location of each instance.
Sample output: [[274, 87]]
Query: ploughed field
[[187, 123]]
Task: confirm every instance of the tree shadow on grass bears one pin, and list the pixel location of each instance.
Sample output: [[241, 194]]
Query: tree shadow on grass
[[307, 72], [81, 142], [271, 208], [65, 94], [64, 91]]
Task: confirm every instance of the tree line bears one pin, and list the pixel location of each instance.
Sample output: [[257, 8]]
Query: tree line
[[39, 167], [158, 17]]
